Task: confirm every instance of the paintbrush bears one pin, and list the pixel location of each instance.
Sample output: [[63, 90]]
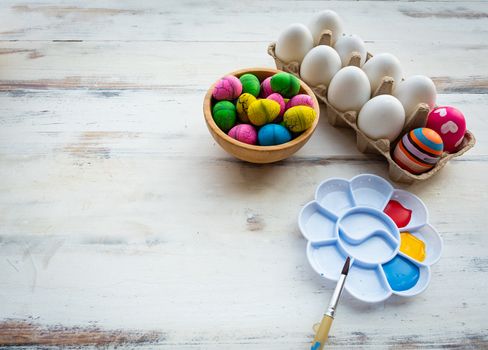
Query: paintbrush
[[324, 328]]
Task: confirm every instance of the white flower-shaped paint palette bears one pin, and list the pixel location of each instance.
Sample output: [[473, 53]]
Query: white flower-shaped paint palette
[[385, 232]]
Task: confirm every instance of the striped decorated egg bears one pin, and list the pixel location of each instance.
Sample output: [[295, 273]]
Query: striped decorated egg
[[419, 150]]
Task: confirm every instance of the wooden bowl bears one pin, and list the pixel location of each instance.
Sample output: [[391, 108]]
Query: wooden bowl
[[254, 153]]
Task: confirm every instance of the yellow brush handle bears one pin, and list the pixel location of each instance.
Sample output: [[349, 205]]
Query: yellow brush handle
[[322, 333]]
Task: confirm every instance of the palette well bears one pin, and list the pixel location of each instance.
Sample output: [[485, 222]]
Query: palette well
[[384, 230]]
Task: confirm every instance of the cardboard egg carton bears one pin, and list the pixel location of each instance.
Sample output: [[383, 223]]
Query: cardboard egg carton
[[363, 142]]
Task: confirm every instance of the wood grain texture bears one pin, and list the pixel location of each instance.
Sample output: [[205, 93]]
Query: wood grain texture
[[17, 333], [122, 224]]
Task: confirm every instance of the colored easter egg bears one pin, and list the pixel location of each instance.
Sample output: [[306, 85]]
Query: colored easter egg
[[245, 133], [300, 100], [227, 88], [242, 105], [266, 87], [286, 84], [418, 150], [264, 111], [273, 134], [450, 124], [250, 84], [224, 115], [278, 98], [299, 118], [401, 273]]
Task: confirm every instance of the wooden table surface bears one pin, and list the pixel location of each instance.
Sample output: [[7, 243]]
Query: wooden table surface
[[122, 223]]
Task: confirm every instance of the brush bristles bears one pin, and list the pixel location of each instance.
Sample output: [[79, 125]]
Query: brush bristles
[[345, 269]]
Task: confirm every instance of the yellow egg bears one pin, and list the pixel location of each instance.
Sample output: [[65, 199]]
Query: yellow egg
[[299, 118], [242, 105], [262, 112]]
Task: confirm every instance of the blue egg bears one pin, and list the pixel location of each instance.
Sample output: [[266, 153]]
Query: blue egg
[[273, 134], [401, 273]]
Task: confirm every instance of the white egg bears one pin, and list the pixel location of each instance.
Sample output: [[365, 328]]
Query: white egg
[[349, 89], [325, 20], [383, 65], [294, 43], [319, 65], [414, 90], [382, 117], [347, 45]]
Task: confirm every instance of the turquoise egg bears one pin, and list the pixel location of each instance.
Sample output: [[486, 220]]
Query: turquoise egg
[[273, 134]]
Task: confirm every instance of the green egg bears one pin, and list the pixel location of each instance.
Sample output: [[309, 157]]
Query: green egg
[[286, 84], [250, 84], [224, 115]]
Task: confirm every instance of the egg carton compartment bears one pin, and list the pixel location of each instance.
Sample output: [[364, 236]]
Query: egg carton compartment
[[363, 142], [364, 218]]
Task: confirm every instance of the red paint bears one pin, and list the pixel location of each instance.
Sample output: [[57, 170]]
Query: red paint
[[398, 213]]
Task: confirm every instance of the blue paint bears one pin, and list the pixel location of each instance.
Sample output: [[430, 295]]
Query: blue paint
[[273, 134], [315, 346], [401, 273]]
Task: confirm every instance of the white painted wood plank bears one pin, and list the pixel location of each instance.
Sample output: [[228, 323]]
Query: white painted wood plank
[[251, 20], [167, 123], [160, 65]]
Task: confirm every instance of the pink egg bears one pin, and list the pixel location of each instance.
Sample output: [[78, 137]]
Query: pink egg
[[245, 133], [278, 98], [450, 124], [227, 88], [266, 87], [300, 100]]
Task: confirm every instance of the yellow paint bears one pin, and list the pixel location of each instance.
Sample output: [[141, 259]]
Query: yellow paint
[[412, 246]]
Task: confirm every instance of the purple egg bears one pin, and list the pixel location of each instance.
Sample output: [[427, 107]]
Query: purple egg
[[300, 100], [266, 88], [244, 133], [227, 88], [278, 98]]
